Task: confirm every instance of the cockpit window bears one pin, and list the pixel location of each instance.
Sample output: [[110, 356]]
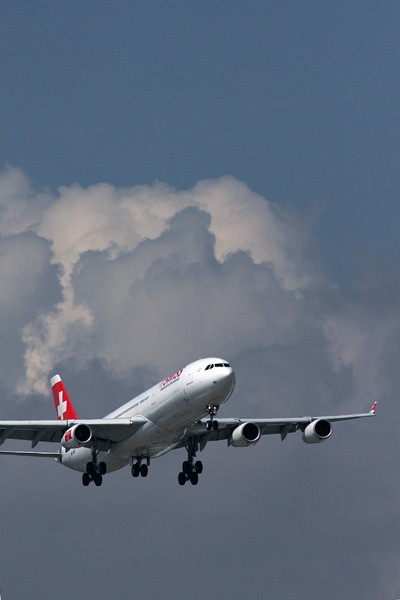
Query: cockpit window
[[219, 365], [208, 367], [226, 365]]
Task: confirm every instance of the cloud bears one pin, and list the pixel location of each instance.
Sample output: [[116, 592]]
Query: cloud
[[29, 289], [173, 294], [116, 287], [153, 277], [155, 235]]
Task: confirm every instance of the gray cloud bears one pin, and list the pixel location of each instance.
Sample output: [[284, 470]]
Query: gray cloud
[[172, 292], [117, 222], [29, 288]]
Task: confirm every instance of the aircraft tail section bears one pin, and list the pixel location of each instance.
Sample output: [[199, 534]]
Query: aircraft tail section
[[64, 408]]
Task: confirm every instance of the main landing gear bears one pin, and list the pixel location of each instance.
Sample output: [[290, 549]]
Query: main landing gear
[[190, 472], [212, 411], [190, 469], [139, 469], [94, 473]]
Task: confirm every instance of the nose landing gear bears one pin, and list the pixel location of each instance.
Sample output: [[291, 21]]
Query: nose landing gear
[[212, 411]]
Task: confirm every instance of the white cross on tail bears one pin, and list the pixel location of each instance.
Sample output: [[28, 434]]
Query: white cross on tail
[[62, 406]]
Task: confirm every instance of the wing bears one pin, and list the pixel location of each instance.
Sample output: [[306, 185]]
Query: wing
[[105, 430], [283, 426], [37, 454]]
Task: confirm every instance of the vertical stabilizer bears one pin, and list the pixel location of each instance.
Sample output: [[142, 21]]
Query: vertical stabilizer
[[64, 408]]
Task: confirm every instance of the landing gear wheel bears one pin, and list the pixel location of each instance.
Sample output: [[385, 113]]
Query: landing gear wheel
[[98, 479], [212, 411], [186, 467], [144, 469], [182, 479], [102, 468], [85, 479], [90, 468], [194, 478], [198, 467], [135, 470]]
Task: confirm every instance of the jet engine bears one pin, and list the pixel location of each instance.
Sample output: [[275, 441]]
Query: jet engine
[[76, 436], [317, 431], [245, 434]]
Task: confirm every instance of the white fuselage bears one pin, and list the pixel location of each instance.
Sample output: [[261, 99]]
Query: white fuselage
[[169, 407]]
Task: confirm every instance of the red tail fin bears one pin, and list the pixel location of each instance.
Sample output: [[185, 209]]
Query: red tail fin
[[64, 408]]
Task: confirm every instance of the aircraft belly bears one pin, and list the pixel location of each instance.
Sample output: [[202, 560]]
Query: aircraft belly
[[150, 441], [78, 458], [176, 421]]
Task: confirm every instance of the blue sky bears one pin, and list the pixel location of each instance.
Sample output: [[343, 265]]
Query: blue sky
[[298, 100], [190, 179]]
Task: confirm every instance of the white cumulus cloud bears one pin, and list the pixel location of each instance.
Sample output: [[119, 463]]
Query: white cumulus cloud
[[153, 276]]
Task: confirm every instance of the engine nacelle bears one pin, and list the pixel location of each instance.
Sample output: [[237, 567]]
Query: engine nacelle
[[245, 434], [317, 431], [77, 436]]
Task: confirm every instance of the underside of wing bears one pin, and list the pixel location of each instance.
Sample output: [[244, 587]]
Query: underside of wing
[[106, 430], [30, 453], [244, 432]]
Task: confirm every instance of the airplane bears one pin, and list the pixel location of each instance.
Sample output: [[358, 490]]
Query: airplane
[[178, 412]]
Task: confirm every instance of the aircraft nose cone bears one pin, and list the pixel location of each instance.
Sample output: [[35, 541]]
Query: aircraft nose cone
[[231, 379], [227, 373], [226, 379]]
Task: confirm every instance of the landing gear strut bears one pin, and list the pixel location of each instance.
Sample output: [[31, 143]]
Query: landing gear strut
[[190, 469], [212, 411], [140, 469]]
